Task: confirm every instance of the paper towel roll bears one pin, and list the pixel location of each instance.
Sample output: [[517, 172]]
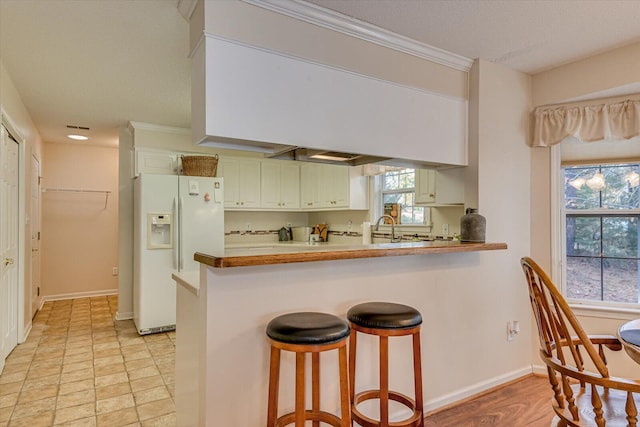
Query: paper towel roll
[[366, 233]]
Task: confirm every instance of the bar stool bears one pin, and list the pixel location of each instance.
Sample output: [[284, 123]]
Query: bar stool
[[304, 333], [384, 319]]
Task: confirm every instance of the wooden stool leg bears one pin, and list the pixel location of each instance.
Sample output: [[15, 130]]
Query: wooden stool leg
[[274, 382], [352, 363], [345, 402], [300, 384], [315, 386], [384, 381], [417, 376]]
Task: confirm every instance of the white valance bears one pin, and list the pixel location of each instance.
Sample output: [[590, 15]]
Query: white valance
[[587, 123]]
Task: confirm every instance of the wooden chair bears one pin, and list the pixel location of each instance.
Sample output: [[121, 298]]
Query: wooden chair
[[584, 392]]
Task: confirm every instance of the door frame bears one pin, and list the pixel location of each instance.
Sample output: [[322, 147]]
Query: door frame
[[23, 327]]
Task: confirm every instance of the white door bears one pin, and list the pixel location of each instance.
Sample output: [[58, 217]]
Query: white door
[[9, 156], [35, 235]]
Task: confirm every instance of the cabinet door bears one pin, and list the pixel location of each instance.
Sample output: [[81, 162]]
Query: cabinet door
[[290, 186], [270, 185], [249, 183], [425, 186], [156, 162], [336, 179], [310, 185], [450, 186], [229, 170]]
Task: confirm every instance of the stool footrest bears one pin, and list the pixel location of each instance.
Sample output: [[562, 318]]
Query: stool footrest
[[322, 416], [414, 420]]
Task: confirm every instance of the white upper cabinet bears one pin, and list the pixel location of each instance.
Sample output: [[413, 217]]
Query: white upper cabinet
[[440, 187], [324, 187], [155, 162], [318, 106], [241, 182], [280, 185]]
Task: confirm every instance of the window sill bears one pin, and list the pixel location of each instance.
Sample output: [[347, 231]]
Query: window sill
[[605, 312]]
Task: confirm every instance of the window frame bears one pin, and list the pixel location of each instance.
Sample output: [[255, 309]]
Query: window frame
[[607, 309], [377, 203]]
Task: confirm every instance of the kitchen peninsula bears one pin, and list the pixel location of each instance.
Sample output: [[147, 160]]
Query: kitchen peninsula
[[222, 311]]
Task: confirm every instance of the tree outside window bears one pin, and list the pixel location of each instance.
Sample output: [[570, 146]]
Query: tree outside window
[[398, 187]]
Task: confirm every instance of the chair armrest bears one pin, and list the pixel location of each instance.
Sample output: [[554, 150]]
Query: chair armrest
[[609, 341]]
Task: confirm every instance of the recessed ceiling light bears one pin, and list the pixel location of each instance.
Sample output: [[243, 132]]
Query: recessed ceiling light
[[78, 137]]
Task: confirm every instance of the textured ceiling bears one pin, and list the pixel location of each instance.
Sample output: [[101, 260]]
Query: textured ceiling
[[102, 63]]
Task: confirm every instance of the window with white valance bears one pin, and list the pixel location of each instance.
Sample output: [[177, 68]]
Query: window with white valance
[[586, 123]]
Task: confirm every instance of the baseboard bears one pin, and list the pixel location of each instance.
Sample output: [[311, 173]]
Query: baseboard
[[124, 315], [27, 331], [540, 370], [76, 295], [474, 389]]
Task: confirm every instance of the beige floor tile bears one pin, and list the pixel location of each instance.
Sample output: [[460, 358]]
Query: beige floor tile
[[38, 393], [74, 413], [84, 422], [101, 340], [76, 398], [10, 388], [140, 363], [8, 400], [133, 348], [32, 408], [114, 403], [151, 395], [172, 389], [86, 384], [78, 366], [46, 363], [146, 383], [82, 341], [110, 360], [13, 377], [11, 359], [109, 369], [137, 355], [167, 368], [73, 358], [168, 420], [112, 390], [155, 409], [41, 382], [70, 377], [105, 380], [5, 414], [18, 367], [149, 371], [35, 373], [109, 352], [106, 346], [80, 349], [169, 378], [120, 418], [42, 419]]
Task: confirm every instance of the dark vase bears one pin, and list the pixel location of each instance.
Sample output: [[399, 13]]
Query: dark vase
[[472, 227]]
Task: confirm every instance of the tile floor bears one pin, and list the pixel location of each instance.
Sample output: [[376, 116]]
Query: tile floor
[[80, 367]]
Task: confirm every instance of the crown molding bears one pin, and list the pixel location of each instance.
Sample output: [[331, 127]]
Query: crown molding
[[335, 21], [159, 128]]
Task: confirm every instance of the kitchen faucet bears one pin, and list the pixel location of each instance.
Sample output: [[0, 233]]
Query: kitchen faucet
[[393, 230]]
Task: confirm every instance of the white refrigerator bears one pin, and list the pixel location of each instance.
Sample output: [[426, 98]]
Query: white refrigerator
[[174, 217]]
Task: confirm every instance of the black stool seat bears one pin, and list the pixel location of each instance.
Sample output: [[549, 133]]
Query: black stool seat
[[384, 315], [307, 328]]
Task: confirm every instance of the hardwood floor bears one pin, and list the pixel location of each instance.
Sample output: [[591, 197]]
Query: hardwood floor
[[525, 403]]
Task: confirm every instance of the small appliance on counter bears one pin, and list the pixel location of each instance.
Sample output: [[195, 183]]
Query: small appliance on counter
[[300, 234], [285, 234]]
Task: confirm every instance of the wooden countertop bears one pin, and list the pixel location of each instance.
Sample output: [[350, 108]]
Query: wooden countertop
[[288, 253]]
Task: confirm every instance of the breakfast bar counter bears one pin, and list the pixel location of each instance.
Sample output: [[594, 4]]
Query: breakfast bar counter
[[293, 253], [222, 354]]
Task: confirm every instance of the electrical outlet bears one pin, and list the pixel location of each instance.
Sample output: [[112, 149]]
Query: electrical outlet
[[289, 224], [248, 226], [114, 271], [513, 329], [445, 229]]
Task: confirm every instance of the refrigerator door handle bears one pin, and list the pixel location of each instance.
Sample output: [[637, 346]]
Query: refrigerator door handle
[[180, 239], [175, 233]]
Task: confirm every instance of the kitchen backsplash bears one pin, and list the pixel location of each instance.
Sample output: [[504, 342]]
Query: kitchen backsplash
[[345, 227]]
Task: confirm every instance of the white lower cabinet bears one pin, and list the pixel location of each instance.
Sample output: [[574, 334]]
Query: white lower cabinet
[[241, 182], [280, 185]]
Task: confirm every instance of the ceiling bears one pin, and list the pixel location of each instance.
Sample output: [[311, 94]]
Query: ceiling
[[102, 63]]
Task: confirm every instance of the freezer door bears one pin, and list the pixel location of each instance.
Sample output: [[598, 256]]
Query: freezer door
[[201, 218]]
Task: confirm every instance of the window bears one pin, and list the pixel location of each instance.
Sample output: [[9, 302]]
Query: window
[[398, 197], [601, 251]]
